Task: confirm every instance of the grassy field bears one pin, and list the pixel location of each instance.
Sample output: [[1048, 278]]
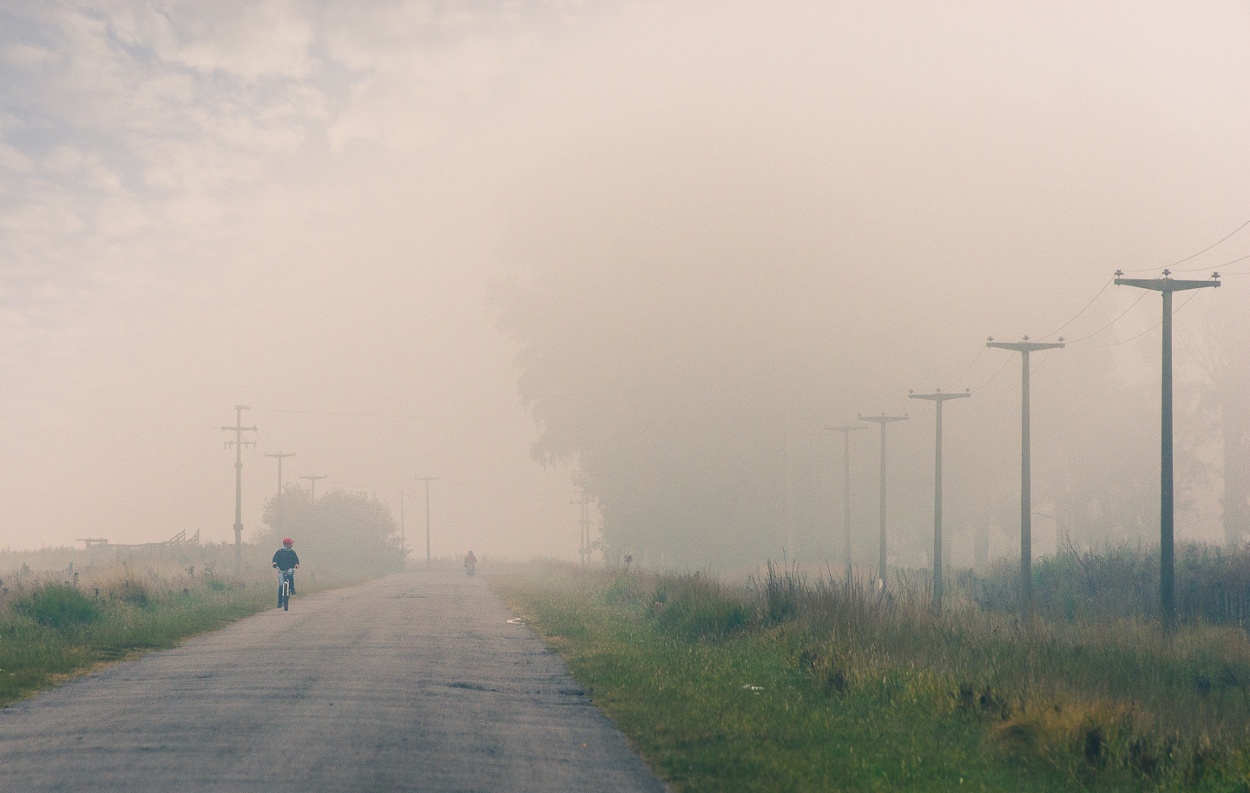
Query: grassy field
[[57, 623], [790, 684]]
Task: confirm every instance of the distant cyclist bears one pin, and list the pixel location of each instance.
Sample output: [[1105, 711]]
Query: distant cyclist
[[470, 563], [285, 558]]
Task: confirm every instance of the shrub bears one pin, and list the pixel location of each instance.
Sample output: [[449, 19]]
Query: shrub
[[130, 591], [699, 608], [780, 594], [626, 591], [58, 606]]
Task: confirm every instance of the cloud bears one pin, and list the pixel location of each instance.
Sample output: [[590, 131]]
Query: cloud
[[248, 40], [14, 160]]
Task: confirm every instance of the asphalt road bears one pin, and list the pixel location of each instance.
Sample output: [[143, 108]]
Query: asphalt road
[[414, 682]]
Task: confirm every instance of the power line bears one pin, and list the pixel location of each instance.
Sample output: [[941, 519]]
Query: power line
[[372, 415], [1199, 253], [1147, 330], [1012, 385], [964, 374], [1225, 264], [1112, 322], [995, 376], [1082, 311], [1212, 245]]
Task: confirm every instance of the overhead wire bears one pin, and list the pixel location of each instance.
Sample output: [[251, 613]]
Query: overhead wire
[[1195, 255], [341, 414], [1013, 385], [1120, 316], [964, 374], [1225, 264], [1175, 311], [992, 377], [1109, 282]]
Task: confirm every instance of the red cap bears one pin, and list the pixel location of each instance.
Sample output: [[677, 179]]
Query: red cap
[[288, 541]]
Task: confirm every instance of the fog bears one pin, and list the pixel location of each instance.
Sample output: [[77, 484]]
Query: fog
[[651, 249]]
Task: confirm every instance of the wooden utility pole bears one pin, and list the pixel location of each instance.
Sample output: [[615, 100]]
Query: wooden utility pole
[[427, 480], [937, 398], [238, 443], [403, 540], [846, 431], [277, 505], [312, 478], [882, 420], [1026, 478], [584, 523], [1167, 503]]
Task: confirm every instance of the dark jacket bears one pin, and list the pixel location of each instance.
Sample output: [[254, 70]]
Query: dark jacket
[[286, 559]]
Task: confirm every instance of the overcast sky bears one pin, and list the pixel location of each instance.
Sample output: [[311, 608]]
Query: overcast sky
[[300, 206]]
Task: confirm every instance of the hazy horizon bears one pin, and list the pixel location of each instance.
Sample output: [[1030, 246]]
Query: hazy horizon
[[723, 223]]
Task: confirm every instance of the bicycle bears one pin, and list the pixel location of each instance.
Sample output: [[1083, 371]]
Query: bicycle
[[284, 589]]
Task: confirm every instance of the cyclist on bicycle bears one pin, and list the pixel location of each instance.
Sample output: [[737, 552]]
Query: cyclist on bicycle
[[286, 559]]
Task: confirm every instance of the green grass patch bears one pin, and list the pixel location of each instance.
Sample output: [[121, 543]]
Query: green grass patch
[[58, 606], [53, 630], [787, 685]]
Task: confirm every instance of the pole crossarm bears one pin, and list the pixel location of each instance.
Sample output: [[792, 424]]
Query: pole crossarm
[[1025, 346], [938, 396], [1166, 283]]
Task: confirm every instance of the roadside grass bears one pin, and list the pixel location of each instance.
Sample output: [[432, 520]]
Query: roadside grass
[[795, 685], [52, 628]]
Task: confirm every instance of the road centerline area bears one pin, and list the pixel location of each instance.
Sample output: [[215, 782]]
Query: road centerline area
[[412, 682]]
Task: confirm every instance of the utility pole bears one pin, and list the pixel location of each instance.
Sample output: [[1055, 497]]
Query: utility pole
[[238, 443], [789, 548], [1026, 475], [1167, 504], [846, 431], [427, 480], [584, 542], [403, 541], [937, 398], [277, 505], [882, 420], [313, 479]]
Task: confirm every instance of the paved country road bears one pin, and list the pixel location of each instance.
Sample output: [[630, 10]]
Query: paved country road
[[413, 682]]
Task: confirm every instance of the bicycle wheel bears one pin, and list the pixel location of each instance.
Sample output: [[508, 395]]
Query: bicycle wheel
[[286, 596]]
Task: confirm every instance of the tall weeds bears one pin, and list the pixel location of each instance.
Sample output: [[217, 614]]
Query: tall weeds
[[1097, 695]]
